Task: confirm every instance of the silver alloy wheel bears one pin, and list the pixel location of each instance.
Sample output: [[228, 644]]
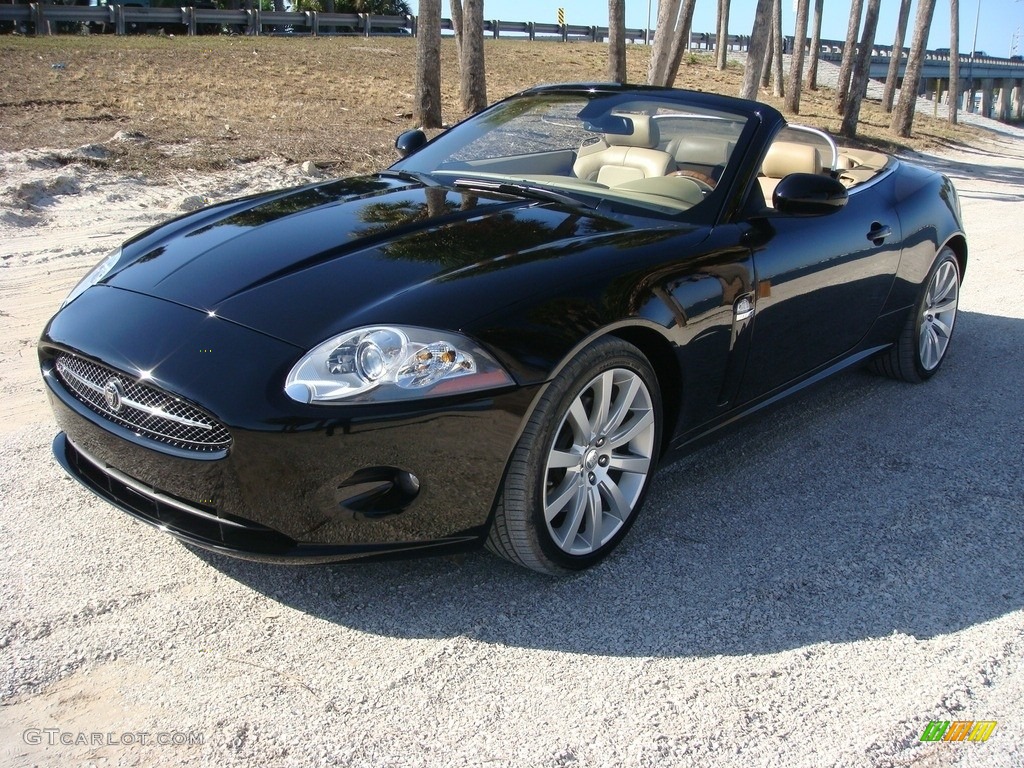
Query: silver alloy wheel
[[938, 313], [599, 461]]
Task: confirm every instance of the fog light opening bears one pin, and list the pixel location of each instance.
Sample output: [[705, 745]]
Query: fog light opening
[[378, 492]]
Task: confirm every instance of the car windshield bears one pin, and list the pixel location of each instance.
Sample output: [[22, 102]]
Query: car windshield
[[645, 150]]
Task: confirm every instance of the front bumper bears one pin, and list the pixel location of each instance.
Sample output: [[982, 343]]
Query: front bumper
[[297, 482], [284, 497]]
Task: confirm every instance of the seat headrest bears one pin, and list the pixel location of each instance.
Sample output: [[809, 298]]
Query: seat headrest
[[645, 133], [701, 150], [785, 157]]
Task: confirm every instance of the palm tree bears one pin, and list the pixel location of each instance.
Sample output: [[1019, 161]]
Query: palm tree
[[668, 10], [893, 75], [777, 42], [849, 50], [796, 68], [756, 49], [617, 41], [428, 65], [457, 23], [671, 42], [903, 114], [812, 68], [680, 40], [861, 70], [722, 36], [769, 55], [473, 79], [954, 60]]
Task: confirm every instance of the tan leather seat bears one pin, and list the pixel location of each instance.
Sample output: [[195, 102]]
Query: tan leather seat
[[709, 151], [784, 158], [618, 158]]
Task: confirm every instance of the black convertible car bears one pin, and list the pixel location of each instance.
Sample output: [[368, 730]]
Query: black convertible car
[[497, 339]]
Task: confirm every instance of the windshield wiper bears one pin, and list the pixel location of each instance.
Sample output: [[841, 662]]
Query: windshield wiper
[[420, 178], [524, 190]]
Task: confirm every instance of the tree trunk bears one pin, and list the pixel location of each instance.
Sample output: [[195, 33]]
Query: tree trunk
[[903, 114], [796, 67], [457, 23], [849, 52], [893, 74], [722, 51], [428, 64], [861, 70], [617, 41], [756, 49], [473, 80], [680, 41], [778, 42], [812, 68], [769, 56], [954, 60], [668, 10]]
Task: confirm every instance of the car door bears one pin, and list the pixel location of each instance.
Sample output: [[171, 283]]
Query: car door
[[820, 282]]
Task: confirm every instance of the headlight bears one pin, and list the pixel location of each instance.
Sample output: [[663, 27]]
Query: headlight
[[98, 273], [384, 363]]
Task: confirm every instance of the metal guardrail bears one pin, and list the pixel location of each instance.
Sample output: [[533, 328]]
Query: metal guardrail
[[43, 17], [123, 19]]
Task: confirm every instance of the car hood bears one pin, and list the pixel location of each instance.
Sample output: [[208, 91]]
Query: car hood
[[306, 263]]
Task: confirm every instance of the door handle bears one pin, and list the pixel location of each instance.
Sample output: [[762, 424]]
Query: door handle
[[879, 232]]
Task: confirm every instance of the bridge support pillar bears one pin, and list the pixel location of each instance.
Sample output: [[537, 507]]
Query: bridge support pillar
[[988, 88], [1004, 100], [1018, 106]]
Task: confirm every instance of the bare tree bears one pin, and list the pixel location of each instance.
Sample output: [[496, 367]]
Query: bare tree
[[722, 34], [954, 60], [617, 41], [903, 114], [893, 76], [796, 66], [756, 49], [861, 70], [428, 64], [473, 80], [812, 68], [777, 43], [849, 50]]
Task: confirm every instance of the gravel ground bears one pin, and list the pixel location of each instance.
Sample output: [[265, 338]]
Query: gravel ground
[[811, 589]]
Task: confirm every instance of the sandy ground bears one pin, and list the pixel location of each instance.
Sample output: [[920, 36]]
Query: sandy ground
[[812, 589]]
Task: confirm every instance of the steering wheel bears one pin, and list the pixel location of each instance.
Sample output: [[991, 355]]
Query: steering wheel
[[702, 180]]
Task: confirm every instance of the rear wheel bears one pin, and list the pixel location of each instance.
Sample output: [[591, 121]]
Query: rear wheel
[[925, 339], [580, 471]]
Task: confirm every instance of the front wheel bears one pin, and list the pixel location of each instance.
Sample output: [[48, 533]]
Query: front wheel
[[580, 471], [925, 339]]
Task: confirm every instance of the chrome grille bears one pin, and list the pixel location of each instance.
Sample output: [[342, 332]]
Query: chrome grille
[[142, 408]]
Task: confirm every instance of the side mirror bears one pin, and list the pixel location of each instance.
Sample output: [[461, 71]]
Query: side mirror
[[410, 141], [809, 194]]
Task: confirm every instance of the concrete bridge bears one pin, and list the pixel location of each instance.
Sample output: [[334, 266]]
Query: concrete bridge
[[989, 85]]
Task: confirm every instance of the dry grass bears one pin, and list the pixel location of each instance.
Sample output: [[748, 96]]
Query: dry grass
[[212, 102]]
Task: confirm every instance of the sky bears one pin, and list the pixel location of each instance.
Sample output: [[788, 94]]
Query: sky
[[1000, 22]]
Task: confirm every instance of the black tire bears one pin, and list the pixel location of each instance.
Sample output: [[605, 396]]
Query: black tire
[[599, 496], [917, 355]]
